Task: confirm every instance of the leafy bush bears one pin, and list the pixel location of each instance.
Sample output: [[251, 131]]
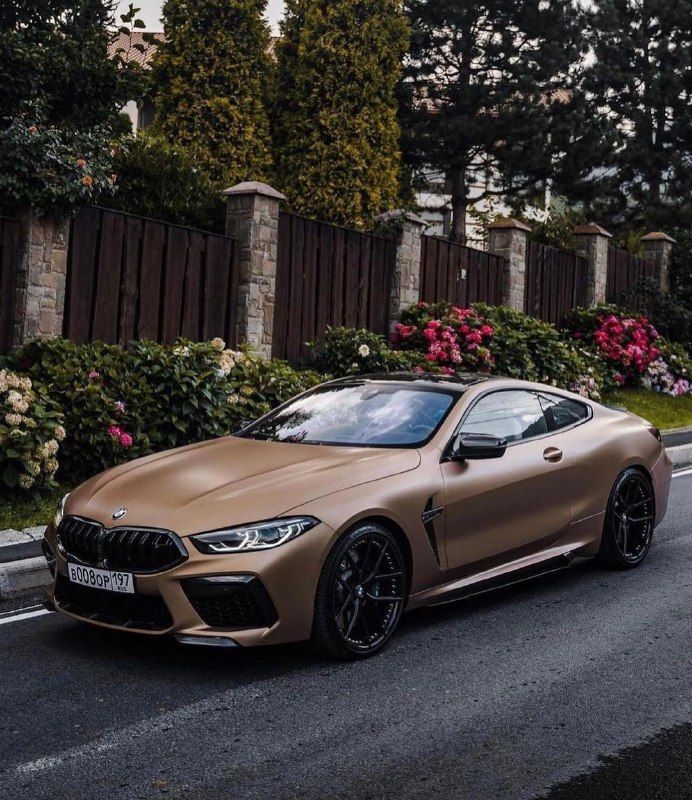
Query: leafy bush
[[122, 403], [157, 180], [669, 312], [346, 351], [671, 372], [52, 168], [30, 432], [528, 348], [626, 343], [451, 338]]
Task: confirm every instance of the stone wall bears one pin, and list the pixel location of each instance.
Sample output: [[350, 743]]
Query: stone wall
[[41, 277]]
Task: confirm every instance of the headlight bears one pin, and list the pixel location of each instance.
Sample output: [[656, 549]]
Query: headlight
[[261, 536], [60, 511]]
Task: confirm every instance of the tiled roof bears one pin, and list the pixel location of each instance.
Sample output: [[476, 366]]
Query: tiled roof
[[133, 47]]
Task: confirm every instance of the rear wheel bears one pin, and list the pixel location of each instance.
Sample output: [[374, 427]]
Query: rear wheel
[[629, 522], [361, 594]]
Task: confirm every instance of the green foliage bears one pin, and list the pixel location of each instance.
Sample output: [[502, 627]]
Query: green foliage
[[668, 312], [661, 410], [640, 82], [337, 134], [60, 97], [213, 75], [481, 95], [530, 349], [120, 403], [157, 180], [556, 230], [347, 351], [30, 433]]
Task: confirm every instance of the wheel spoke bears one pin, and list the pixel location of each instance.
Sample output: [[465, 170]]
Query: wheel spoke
[[647, 518], [624, 540], [354, 618], [377, 564], [346, 604], [637, 504], [354, 565], [380, 598], [388, 575]]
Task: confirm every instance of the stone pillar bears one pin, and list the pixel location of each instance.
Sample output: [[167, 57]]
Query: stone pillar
[[592, 243], [508, 238], [41, 276], [252, 217], [659, 247], [405, 286]]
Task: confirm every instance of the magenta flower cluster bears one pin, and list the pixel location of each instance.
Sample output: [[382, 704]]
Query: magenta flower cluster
[[119, 435], [627, 344], [455, 340]]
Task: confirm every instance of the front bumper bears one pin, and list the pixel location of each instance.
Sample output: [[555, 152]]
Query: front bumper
[[281, 583]]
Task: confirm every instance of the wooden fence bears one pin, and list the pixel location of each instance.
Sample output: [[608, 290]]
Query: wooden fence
[[624, 270], [129, 277], [327, 275], [555, 282], [458, 274], [9, 256]]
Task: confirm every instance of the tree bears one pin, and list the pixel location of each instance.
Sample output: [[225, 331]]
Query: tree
[[336, 129], [60, 97], [489, 95], [641, 82], [214, 76]]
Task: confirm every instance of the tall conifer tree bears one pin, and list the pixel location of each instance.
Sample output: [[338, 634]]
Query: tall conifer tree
[[641, 81], [214, 76], [336, 128], [489, 95]]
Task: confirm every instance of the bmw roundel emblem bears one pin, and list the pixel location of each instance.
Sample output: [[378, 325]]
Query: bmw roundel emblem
[[120, 513]]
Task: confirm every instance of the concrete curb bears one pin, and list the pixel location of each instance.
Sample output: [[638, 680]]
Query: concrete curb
[[681, 456], [23, 577]]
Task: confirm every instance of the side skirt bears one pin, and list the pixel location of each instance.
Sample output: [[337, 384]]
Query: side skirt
[[511, 577]]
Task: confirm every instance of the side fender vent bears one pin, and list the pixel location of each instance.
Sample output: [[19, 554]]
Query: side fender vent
[[428, 518]]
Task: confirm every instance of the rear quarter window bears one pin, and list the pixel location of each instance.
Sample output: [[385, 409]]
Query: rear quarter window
[[562, 412]]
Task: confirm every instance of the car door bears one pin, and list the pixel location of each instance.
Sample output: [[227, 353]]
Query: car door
[[500, 509]]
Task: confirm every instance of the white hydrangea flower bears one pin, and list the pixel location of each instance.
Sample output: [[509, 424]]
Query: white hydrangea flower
[[226, 362], [26, 481], [364, 351], [233, 399], [219, 343], [14, 419], [60, 433]]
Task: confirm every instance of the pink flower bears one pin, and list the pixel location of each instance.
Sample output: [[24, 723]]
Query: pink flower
[[447, 371], [93, 375], [114, 431], [120, 406], [126, 440]]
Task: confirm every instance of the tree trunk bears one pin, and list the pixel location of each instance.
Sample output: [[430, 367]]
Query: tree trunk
[[459, 204]]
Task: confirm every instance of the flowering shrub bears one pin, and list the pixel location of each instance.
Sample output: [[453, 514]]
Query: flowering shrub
[[627, 344], [452, 339], [671, 372], [30, 434], [345, 351], [53, 168], [123, 403], [530, 349]]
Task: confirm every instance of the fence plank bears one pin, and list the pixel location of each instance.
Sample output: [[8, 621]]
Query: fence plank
[[82, 257], [132, 277]]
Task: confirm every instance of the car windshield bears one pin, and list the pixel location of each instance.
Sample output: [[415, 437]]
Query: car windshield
[[367, 414]]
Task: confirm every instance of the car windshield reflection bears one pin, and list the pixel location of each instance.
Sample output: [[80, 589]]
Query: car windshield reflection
[[363, 415]]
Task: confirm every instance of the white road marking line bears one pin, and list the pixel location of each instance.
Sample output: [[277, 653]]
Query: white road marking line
[[682, 472], [19, 610], [26, 615]]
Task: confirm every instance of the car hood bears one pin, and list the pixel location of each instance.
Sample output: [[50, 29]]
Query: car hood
[[230, 481]]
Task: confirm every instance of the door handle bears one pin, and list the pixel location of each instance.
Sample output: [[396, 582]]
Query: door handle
[[552, 454]]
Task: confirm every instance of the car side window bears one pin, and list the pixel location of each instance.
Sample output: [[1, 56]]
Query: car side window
[[513, 414], [561, 412]]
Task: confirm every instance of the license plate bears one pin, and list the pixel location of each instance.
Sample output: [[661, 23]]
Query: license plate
[[122, 582]]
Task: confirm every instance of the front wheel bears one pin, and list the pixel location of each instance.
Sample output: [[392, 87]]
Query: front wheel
[[361, 594], [629, 522]]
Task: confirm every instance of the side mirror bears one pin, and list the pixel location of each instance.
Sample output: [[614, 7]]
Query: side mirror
[[477, 446]]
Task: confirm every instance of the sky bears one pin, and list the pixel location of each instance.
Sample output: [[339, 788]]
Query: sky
[[151, 12]]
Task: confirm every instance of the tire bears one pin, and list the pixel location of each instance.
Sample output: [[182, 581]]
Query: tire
[[361, 594], [629, 522]]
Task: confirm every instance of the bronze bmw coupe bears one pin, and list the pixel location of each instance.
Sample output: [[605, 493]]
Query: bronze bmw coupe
[[366, 496]]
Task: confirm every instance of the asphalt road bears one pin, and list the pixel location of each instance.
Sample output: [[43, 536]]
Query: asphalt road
[[574, 686]]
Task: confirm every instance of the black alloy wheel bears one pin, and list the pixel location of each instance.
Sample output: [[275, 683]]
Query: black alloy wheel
[[361, 593], [629, 523]]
